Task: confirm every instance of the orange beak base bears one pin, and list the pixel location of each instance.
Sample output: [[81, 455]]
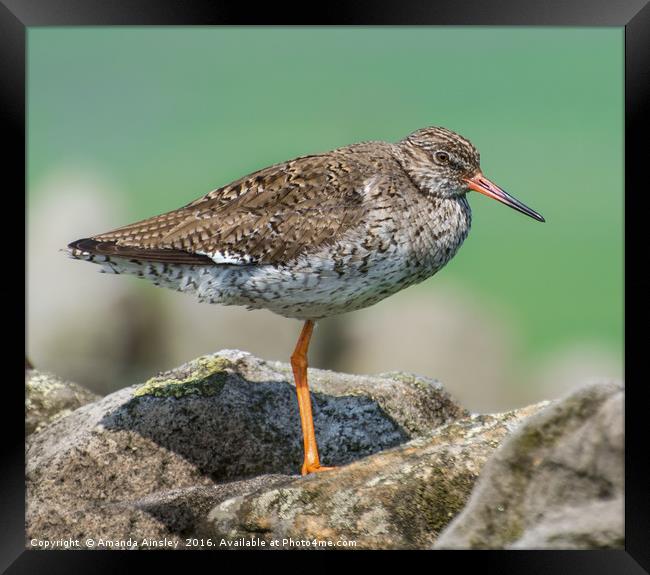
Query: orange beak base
[[479, 183]]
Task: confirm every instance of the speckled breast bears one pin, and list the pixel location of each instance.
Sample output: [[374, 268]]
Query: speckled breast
[[365, 266]]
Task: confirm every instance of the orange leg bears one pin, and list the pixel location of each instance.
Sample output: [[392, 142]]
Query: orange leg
[[299, 365]]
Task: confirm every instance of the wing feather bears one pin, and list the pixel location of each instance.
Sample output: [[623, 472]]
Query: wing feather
[[268, 217]]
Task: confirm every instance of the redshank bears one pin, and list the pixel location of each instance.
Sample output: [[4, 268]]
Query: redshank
[[312, 237]]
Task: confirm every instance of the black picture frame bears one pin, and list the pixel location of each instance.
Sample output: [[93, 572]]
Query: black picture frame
[[634, 15]]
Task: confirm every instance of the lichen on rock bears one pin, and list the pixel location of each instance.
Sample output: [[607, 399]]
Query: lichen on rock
[[401, 498], [203, 376], [215, 423], [48, 398], [556, 483], [212, 449]]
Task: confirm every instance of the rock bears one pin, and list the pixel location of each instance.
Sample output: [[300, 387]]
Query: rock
[[163, 519], [400, 498], [207, 456], [557, 483], [48, 398], [145, 460]]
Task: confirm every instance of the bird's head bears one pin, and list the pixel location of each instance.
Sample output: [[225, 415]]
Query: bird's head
[[446, 165]]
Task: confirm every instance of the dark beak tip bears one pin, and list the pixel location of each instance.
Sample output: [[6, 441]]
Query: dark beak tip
[[480, 183]]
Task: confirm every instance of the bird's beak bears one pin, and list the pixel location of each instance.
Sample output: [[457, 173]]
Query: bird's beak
[[479, 183]]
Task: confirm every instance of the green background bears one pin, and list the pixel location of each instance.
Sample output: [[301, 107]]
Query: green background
[[171, 113]]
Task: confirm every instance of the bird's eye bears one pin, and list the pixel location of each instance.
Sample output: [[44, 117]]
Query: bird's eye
[[442, 157]]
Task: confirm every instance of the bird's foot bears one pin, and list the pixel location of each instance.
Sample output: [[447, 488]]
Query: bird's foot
[[311, 468]]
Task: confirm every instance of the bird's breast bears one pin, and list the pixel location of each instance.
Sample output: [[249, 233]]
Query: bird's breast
[[434, 231]]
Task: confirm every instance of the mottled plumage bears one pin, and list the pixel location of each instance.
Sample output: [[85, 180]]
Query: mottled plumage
[[312, 237], [307, 238]]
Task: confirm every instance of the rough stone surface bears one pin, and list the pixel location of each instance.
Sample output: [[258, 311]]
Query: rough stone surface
[[168, 516], [398, 499], [48, 398], [211, 450], [222, 417], [555, 483]]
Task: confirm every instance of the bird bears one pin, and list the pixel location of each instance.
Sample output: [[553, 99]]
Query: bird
[[312, 237]]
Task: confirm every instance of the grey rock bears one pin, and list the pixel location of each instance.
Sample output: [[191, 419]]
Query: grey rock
[[555, 483], [595, 525], [145, 460], [400, 498], [163, 519], [207, 455], [48, 398]]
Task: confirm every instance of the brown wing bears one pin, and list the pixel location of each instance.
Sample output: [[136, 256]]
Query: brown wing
[[269, 216]]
